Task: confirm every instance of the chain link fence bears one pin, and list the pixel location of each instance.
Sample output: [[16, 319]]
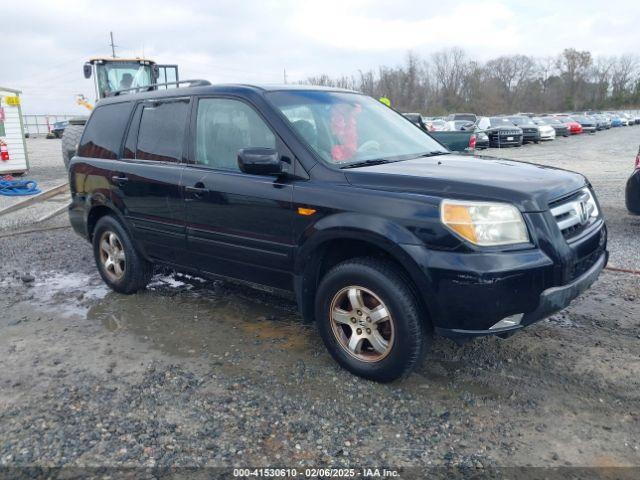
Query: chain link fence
[[41, 125]]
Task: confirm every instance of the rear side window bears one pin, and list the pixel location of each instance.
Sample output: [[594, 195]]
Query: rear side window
[[103, 134], [161, 131]]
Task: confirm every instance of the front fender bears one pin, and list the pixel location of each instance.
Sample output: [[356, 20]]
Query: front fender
[[393, 239]]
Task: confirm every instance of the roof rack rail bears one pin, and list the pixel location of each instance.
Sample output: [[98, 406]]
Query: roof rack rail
[[154, 86]]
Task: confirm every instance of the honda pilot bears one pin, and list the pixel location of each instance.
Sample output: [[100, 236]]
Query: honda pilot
[[384, 237]]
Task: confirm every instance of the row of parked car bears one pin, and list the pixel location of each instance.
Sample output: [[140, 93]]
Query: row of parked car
[[515, 130]]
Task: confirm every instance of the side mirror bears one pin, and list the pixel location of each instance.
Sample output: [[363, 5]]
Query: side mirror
[[86, 69], [259, 161]]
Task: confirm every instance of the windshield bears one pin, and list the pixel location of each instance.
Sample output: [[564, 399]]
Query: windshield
[[522, 121], [348, 128], [501, 122], [114, 76]]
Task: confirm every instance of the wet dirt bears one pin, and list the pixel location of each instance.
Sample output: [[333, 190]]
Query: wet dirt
[[565, 391]]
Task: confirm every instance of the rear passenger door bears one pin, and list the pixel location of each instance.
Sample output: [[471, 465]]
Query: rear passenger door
[[146, 183], [238, 225]]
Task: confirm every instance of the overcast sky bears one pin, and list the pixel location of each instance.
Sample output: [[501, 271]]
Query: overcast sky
[[45, 43]]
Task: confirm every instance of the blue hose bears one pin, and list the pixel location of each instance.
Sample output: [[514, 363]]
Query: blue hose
[[14, 188]]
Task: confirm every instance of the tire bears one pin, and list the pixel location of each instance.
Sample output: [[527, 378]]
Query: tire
[[132, 272], [404, 333], [70, 139]]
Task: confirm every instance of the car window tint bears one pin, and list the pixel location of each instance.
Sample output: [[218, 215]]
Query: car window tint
[[302, 119], [161, 131], [103, 134], [225, 126], [132, 135]]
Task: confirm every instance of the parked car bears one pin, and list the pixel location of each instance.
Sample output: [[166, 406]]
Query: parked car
[[454, 140], [501, 132], [632, 192], [561, 129], [588, 124], [631, 119], [605, 120], [58, 128], [530, 131], [547, 131], [482, 139], [471, 117], [437, 125], [574, 126], [461, 125], [616, 121], [383, 235]]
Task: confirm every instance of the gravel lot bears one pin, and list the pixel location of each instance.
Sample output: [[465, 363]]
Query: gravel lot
[[190, 373]]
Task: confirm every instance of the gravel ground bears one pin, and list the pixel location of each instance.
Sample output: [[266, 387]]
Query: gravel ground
[[192, 373]]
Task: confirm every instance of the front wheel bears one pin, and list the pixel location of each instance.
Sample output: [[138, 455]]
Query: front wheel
[[370, 320]]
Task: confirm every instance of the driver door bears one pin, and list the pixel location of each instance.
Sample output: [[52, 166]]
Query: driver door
[[238, 225]]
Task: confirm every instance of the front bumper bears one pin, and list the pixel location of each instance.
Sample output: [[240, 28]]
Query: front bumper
[[552, 300], [467, 293]]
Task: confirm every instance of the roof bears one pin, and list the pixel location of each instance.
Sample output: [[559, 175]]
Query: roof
[[7, 89], [118, 59], [228, 88]]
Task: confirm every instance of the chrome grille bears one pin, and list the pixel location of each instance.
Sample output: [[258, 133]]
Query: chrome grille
[[575, 213]]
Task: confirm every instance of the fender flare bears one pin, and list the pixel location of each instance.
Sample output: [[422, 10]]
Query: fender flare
[[380, 232], [100, 200]]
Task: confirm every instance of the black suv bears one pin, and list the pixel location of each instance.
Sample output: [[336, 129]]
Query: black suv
[[384, 236]]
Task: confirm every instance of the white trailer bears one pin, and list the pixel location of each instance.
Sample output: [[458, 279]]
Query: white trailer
[[13, 147]]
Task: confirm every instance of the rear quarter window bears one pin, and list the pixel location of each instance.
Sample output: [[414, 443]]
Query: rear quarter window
[[103, 134]]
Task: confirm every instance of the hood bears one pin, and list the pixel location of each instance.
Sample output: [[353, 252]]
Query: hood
[[530, 187]]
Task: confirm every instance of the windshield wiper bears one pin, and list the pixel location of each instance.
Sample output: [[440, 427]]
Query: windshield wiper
[[366, 163], [435, 153]]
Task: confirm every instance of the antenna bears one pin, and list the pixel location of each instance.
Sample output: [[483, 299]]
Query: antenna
[[113, 46]]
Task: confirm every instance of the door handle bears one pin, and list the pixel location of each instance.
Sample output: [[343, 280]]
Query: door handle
[[197, 191], [119, 179]]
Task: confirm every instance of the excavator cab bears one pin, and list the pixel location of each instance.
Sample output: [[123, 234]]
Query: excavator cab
[[114, 74]]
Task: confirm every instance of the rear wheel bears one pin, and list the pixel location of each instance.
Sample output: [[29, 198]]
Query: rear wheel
[[369, 319], [121, 267], [70, 139]]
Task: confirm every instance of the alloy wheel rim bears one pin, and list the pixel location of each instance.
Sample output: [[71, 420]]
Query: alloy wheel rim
[[362, 324], [112, 255]]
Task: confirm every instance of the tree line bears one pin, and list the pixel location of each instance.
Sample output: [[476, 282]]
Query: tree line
[[450, 80]]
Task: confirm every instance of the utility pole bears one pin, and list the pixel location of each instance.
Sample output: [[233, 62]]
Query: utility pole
[[113, 46], [284, 74]]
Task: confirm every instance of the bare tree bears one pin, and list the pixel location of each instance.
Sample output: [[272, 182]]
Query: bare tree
[[512, 74], [574, 66], [452, 81], [623, 70]]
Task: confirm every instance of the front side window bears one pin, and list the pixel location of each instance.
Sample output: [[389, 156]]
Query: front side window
[[161, 131], [103, 134], [349, 128], [225, 126]]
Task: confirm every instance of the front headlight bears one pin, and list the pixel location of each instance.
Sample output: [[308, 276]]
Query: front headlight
[[484, 223]]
